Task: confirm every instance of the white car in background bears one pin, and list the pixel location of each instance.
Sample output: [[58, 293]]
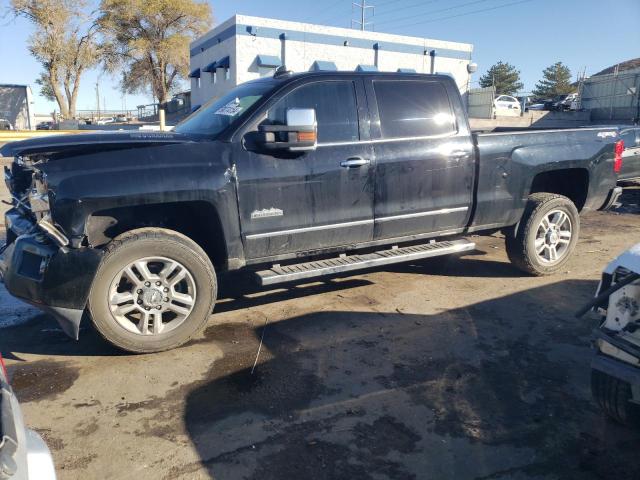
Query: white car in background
[[23, 453], [506, 106]]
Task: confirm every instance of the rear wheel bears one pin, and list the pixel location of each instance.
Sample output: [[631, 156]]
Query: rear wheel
[[154, 290], [614, 398], [546, 235]]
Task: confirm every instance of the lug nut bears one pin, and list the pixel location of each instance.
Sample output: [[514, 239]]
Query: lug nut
[[139, 302], [158, 283], [147, 284], [139, 291], [159, 307], [166, 299], [165, 289], [147, 308]]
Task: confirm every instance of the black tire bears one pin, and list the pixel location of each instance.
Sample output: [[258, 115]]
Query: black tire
[[614, 398], [520, 241], [144, 243]]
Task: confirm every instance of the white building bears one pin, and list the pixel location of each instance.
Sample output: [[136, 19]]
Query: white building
[[15, 106], [244, 48]]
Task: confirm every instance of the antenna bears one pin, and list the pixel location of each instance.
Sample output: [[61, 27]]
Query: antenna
[[363, 14]]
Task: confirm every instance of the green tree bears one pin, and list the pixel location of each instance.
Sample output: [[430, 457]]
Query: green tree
[[504, 77], [148, 41], [556, 80], [64, 44]]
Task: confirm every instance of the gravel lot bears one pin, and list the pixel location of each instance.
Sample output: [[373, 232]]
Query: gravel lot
[[463, 371]]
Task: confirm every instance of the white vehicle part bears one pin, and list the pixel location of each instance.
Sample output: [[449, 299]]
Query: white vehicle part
[[612, 351], [39, 460], [624, 308], [629, 260]]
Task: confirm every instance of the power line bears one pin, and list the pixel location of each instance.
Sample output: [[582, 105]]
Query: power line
[[405, 7], [323, 9], [411, 17], [334, 16], [463, 14]]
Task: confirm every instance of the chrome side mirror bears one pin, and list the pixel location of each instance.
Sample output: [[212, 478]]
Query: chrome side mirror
[[299, 134]]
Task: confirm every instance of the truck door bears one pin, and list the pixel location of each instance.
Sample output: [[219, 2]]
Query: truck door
[[424, 157], [316, 199]]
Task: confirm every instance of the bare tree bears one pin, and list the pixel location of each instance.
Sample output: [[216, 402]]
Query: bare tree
[[64, 44], [148, 41]]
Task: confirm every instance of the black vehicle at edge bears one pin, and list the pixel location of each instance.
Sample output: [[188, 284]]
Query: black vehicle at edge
[[285, 176]]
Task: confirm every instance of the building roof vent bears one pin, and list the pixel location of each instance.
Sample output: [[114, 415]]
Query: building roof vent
[[269, 61], [323, 66], [366, 68], [406, 70]]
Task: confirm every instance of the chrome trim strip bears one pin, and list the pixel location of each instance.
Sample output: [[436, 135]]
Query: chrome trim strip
[[443, 211], [308, 229], [389, 140], [557, 130]]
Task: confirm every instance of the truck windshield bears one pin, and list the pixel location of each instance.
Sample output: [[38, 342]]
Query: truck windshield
[[216, 115]]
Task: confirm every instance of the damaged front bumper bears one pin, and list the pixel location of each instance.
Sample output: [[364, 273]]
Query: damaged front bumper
[[54, 279]]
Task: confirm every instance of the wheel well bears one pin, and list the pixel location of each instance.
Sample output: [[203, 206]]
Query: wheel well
[[572, 183], [197, 220]]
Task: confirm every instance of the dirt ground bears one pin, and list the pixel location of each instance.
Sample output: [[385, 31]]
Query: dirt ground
[[464, 371]]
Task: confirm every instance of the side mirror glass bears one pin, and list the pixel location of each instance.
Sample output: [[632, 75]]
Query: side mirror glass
[[299, 134]]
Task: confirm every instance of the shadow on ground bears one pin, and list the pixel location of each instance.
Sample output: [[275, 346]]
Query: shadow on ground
[[42, 335], [498, 389]]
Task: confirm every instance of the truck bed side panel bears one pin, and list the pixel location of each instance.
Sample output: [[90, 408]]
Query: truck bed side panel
[[509, 163]]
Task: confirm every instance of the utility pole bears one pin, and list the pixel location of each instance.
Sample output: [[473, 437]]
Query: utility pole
[[363, 14], [98, 98]]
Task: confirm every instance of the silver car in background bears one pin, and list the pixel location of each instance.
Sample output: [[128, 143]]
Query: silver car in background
[[23, 453]]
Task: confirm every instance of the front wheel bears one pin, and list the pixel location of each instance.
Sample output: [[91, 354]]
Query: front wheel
[[546, 236], [153, 291]]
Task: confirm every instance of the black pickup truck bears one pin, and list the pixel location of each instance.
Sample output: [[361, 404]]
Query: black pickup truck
[[293, 177]]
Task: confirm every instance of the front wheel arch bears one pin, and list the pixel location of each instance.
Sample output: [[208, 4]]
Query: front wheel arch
[[141, 244]]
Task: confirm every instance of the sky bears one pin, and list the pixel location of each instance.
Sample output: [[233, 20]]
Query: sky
[[530, 34]]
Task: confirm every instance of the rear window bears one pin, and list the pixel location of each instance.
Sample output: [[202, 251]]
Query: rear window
[[413, 108]]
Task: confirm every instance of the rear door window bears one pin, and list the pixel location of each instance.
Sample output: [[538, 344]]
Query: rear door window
[[413, 108], [335, 106]]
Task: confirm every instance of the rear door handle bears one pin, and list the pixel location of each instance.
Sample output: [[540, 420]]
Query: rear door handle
[[354, 162]]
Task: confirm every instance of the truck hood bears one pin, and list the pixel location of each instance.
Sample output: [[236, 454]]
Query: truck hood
[[85, 143]]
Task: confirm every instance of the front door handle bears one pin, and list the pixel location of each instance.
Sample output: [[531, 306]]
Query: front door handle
[[354, 162], [457, 155]]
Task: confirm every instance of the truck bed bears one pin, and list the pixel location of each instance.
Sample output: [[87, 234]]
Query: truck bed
[[506, 160]]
